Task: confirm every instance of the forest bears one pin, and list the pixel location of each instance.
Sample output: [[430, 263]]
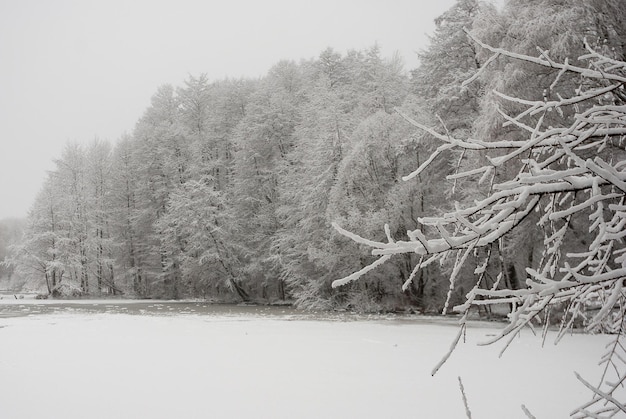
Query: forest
[[228, 190]]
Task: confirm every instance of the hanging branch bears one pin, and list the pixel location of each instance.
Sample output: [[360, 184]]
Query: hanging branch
[[559, 180]]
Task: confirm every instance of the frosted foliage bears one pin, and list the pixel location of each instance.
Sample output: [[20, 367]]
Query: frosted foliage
[[569, 175]]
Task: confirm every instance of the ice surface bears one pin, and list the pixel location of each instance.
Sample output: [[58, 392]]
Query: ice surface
[[81, 364]]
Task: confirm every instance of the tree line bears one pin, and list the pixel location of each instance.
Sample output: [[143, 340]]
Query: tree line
[[227, 189]]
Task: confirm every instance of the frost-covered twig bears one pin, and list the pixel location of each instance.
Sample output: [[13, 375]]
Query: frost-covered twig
[[468, 413], [527, 413], [604, 404]]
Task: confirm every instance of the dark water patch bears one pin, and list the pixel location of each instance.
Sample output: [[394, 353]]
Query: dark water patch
[[31, 307], [143, 307], [11, 308]]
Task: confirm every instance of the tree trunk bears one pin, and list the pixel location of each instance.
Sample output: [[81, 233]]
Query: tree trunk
[[281, 289], [240, 291]]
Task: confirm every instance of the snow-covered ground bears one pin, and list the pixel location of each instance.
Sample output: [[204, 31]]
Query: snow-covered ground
[[75, 365]]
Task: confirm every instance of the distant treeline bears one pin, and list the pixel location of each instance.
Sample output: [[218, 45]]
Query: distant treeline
[[226, 189]]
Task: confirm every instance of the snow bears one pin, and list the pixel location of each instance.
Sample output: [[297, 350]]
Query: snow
[[108, 365]]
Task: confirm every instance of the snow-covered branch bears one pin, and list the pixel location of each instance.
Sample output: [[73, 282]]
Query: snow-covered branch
[[570, 174], [611, 73]]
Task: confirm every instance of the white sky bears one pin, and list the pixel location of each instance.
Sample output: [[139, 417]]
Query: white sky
[[76, 70]]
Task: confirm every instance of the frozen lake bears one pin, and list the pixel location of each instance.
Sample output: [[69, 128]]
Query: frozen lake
[[154, 359]]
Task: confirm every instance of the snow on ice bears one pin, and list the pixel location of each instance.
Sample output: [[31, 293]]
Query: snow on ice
[[106, 365]]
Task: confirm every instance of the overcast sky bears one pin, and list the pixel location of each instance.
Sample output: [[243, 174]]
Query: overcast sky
[[76, 70]]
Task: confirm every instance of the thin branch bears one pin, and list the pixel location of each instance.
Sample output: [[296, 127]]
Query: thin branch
[[468, 413]]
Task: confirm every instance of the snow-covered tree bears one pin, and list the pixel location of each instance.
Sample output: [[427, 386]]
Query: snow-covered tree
[[196, 229], [11, 236], [262, 141], [73, 217], [201, 115], [162, 154], [99, 211], [68, 238], [37, 256], [125, 221], [449, 60], [341, 92], [368, 188], [320, 140], [572, 175]]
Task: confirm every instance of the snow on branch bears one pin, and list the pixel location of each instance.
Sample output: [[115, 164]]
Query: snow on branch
[[595, 58], [570, 173]]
